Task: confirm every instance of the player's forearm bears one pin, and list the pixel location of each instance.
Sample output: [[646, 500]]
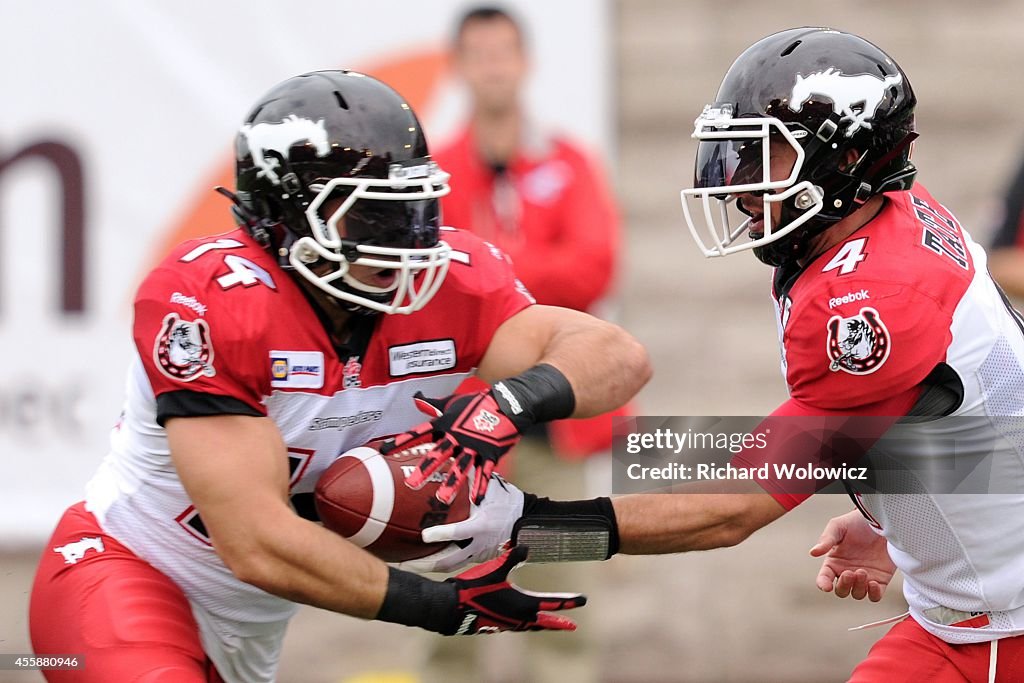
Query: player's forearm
[[604, 364], [651, 524], [645, 524], [295, 559]]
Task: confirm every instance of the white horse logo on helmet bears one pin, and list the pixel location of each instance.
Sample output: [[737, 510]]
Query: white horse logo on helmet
[[279, 137], [866, 90]]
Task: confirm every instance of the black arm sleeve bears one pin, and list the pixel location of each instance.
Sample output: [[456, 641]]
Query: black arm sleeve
[[414, 600], [186, 403], [595, 514]]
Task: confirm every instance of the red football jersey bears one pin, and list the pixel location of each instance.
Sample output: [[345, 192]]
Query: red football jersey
[[870, 317], [905, 303], [221, 328], [219, 317]]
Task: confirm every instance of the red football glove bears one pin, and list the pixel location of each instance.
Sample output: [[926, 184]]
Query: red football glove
[[472, 429], [488, 603]]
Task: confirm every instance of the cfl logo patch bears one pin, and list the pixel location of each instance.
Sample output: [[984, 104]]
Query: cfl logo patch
[[486, 421]]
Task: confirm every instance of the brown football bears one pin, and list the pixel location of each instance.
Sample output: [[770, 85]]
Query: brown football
[[363, 497]]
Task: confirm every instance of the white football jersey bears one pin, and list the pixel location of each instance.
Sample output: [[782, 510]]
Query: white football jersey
[[907, 300]]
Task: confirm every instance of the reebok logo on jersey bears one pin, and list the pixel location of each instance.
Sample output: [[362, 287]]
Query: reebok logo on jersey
[[73, 552], [848, 298], [188, 302], [858, 345], [296, 369], [422, 357]]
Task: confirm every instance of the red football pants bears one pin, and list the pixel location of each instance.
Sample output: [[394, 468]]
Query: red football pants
[[909, 653], [132, 623]]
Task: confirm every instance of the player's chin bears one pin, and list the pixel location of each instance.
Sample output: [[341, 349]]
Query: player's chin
[[383, 278], [755, 229], [379, 278]]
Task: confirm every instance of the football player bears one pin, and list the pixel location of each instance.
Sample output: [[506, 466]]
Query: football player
[[888, 319], [264, 353]]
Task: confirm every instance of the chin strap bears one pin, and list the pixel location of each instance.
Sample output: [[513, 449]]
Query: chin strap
[[259, 228], [899, 181], [795, 245]]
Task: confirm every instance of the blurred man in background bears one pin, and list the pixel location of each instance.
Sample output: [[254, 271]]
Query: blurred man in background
[[535, 195], [1006, 257], [542, 201]]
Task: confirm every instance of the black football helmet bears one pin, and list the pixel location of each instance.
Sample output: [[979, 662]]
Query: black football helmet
[[344, 142], [846, 109]]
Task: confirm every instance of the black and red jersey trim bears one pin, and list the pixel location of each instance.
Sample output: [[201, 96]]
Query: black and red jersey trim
[[185, 403]]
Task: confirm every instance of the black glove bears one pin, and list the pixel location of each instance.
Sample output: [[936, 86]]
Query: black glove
[[488, 603], [480, 600], [472, 429]]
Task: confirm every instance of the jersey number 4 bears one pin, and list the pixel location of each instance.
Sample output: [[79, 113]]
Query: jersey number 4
[[848, 257], [241, 271]]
